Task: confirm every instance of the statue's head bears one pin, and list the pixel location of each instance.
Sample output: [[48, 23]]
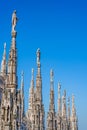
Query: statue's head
[[14, 11]]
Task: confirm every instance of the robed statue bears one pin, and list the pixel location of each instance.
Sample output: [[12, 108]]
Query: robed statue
[[14, 20]]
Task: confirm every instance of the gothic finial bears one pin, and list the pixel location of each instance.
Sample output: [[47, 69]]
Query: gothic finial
[[22, 79], [64, 93], [59, 99], [5, 45], [51, 78], [73, 108], [3, 63], [69, 108], [4, 55], [59, 86], [72, 99], [51, 107], [68, 101], [51, 75], [32, 74]]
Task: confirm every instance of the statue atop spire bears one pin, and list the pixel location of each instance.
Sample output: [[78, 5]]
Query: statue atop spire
[[51, 78], [32, 74], [14, 21], [51, 75], [38, 63], [38, 57]]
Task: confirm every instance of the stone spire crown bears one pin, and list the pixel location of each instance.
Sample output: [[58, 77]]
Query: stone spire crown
[[3, 63], [38, 63], [59, 89], [32, 78], [51, 107], [73, 107], [51, 79], [32, 74], [59, 99], [64, 104], [69, 108], [31, 90], [4, 54], [22, 80]]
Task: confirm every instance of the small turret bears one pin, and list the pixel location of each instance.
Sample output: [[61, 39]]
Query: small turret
[[22, 95], [64, 105], [31, 92], [51, 107], [73, 116], [3, 63], [68, 109], [59, 99], [51, 115]]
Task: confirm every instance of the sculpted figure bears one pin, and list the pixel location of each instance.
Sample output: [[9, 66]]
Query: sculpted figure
[[14, 20]]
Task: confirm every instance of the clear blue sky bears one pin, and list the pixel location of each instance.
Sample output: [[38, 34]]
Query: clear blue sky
[[59, 29]]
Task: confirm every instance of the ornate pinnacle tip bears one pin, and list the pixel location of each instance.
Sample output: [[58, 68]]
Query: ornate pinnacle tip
[[73, 98], [38, 57], [14, 11], [22, 78], [64, 93], [59, 85], [22, 73], [51, 74], [5, 45], [38, 50], [68, 100], [32, 73]]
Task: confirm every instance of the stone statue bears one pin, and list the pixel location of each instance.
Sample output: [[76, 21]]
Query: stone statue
[[38, 56], [14, 21]]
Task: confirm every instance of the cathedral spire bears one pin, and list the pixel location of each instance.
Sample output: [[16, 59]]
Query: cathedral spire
[[31, 91], [3, 63], [51, 116], [59, 99], [74, 120], [32, 79], [64, 104], [14, 33], [51, 107], [68, 109], [22, 95], [22, 84], [12, 63], [73, 107], [38, 92]]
